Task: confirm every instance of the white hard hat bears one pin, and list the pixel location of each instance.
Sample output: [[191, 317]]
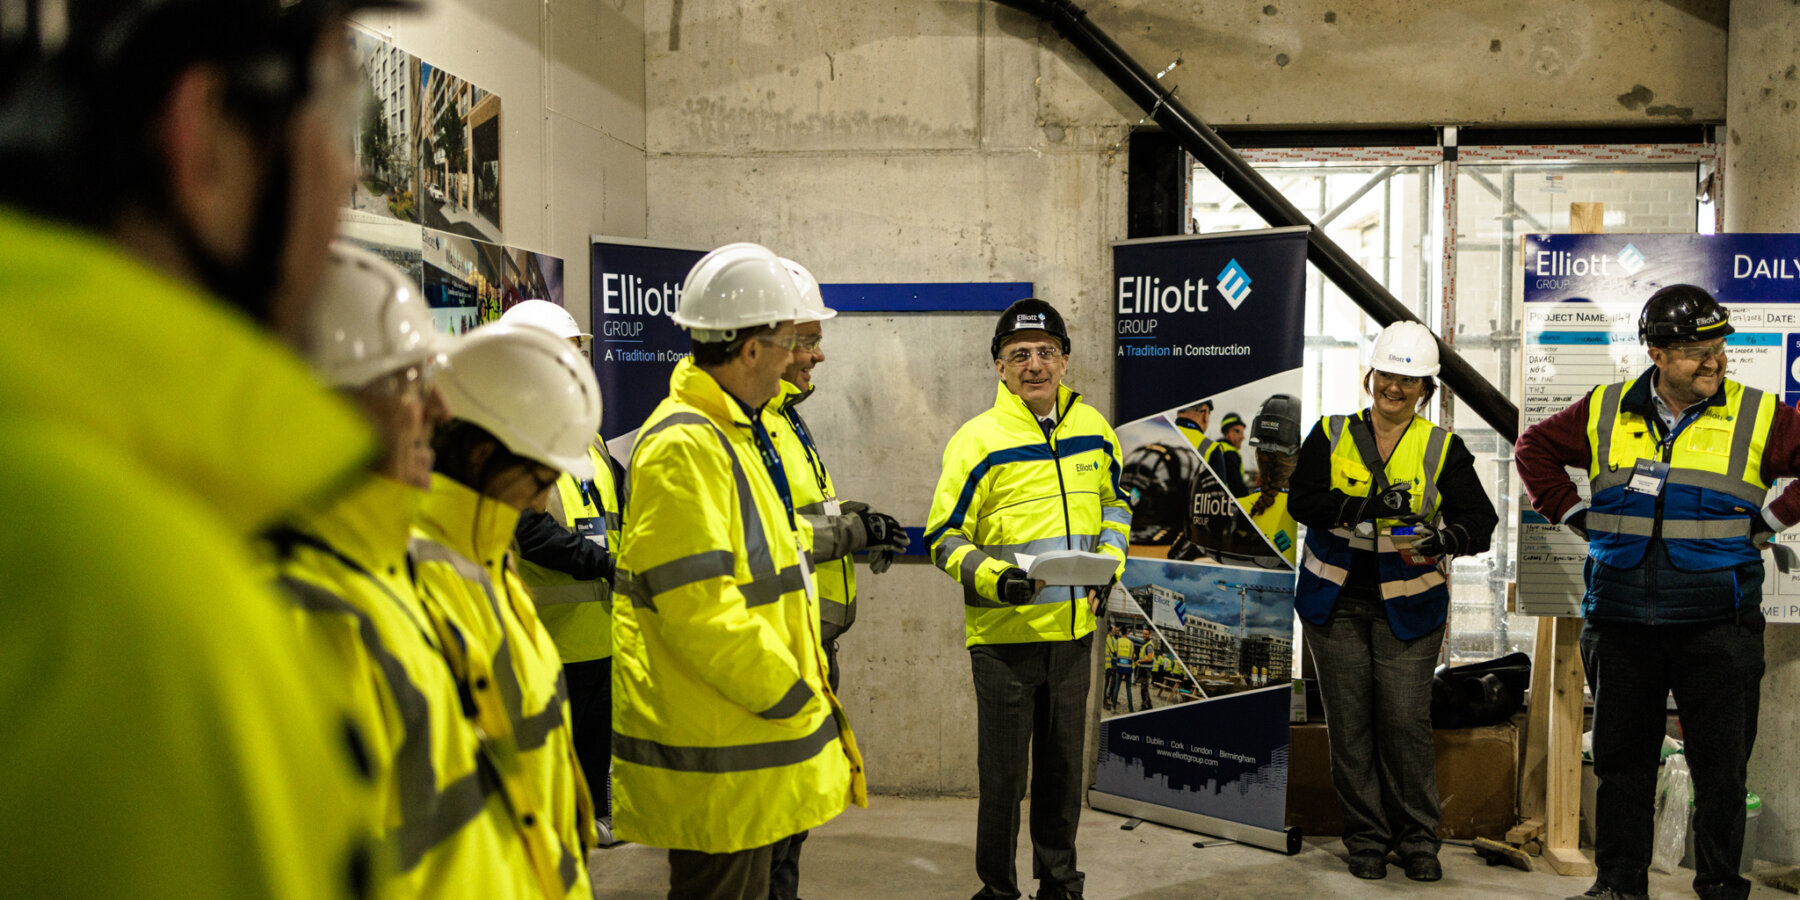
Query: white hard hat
[[812, 301], [1405, 348], [736, 286], [529, 389], [369, 320], [545, 315]]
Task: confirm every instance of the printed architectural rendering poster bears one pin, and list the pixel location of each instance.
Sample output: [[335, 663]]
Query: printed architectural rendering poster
[[456, 139], [1208, 343], [401, 243], [387, 171], [463, 281], [1583, 293], [636, 289]]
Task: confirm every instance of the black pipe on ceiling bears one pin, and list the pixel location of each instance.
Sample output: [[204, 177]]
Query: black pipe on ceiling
[[1206, 146]]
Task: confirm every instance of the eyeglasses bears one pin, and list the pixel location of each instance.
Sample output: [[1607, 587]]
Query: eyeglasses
[[1404, 381], [784, 341], [1699, 354], [411, 383], [1023, 355], [809, 342]]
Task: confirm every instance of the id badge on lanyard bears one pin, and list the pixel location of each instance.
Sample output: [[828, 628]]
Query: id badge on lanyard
[[1648, 476], [593, 529]]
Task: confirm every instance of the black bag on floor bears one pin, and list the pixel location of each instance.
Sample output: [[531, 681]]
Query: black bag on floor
[[1478, 694]]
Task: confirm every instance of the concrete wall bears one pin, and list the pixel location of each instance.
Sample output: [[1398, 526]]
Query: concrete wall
[[570, 77], [959, 140]]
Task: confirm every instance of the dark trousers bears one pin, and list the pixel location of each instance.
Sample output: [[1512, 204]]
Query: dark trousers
[[1143, 680], [1377, 693], [1031, 706], [1715, 671], [590, 725], [1112, 684], [743, 875], [784, 871]]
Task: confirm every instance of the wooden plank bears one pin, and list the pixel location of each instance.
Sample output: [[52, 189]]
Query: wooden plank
[[1562, 800], [1564, 861], [1587, 218], [1532, 782], [1525, 832]]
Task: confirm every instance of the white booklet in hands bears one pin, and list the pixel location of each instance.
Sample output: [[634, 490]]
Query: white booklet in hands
[[1069, 567]]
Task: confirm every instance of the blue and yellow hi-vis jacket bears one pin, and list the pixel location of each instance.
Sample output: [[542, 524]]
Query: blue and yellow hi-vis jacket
[[1417, 597], [1007, 489]]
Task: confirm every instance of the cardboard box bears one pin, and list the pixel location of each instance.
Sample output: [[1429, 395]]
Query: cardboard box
[[1477, 779]]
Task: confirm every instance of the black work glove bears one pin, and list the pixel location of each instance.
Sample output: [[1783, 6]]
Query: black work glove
[[1015, 587], [1578, 524], [1450, 540], [886, 537], [1393, 502]]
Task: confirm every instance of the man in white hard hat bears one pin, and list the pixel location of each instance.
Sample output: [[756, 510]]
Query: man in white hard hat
[[839, 529], [727, 738], [565, 558]]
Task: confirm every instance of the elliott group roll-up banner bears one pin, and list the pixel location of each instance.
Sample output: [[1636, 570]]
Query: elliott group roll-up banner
[[1208, 334], [636, 288], [1583, 293]]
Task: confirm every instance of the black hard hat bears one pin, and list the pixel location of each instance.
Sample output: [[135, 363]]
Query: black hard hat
[[1230, 420], [1277, 425], [1030, 314], [1155, 480], [1682, 313]]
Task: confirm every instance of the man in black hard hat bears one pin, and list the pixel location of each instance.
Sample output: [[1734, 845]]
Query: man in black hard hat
[[1036, 472], [1679, 461], [169, 176]]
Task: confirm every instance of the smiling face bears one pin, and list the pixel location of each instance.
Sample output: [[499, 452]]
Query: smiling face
[[1396, 396], [807, 354], [1032, 364], [1689, 373]]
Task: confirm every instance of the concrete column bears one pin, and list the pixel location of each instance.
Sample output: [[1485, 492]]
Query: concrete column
[[1762, 193]]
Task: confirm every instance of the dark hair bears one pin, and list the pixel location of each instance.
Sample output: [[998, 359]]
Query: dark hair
[[711, 354], [455, 444], [1272, 473], [1424, 398]]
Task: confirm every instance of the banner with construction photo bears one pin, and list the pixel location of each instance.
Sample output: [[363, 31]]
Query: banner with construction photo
[[1200, 638]]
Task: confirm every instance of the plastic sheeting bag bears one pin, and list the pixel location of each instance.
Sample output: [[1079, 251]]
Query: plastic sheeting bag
[[1674, 804]]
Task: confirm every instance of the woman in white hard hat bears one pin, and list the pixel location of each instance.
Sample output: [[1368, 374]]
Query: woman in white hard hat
[[344, 566], [525, 407], [1388, 498]]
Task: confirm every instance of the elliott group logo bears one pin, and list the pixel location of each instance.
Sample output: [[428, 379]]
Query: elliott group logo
[[1631, 259], [1234, 283]]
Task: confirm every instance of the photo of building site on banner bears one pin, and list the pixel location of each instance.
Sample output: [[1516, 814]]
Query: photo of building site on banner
[[1179, 632], [1208, 480]]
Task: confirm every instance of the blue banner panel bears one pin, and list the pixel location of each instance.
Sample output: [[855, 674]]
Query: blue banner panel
[[925, 296], [1208, 310], [636, 288], [1226, 758]]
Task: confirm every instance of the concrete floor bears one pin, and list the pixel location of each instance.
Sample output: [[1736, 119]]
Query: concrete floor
[[904, 847]]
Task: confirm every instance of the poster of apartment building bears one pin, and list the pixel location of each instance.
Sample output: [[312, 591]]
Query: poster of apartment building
[[463, 280], [401, 243], [387, 173], [456, 139]]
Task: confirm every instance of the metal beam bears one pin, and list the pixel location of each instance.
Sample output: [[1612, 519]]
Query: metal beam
[[1197, 138]]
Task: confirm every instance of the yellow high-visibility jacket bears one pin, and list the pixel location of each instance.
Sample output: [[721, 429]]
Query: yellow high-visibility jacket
[[579, 613], [461, 553], [816, 499], [448, 829], [725, 734], [167, 735], [1007, 489]]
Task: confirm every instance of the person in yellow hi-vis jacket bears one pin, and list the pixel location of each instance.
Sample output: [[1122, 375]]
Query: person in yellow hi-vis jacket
[[1037, 472], [166, 203], [525, 406], [838, 528], [566, 561], [727, 737], [448, 831]]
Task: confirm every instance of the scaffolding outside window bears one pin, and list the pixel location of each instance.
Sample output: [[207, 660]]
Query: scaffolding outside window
[[1443, 237]]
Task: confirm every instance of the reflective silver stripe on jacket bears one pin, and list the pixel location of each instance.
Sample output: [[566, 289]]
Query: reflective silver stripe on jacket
[[1009, 553], [1674, 529], [429, 816], [737, 758], [543, 595], [1435, 445]]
